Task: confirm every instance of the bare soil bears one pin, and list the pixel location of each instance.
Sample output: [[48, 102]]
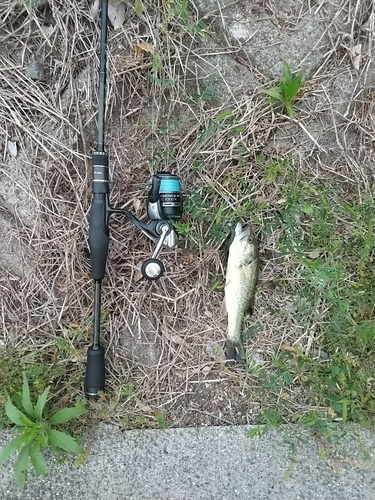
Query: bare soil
[[165, 340]]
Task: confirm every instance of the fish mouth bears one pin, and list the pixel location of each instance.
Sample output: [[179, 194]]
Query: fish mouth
[[242, 232]]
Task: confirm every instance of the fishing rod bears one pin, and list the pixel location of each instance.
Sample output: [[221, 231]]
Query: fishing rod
[[164, 206]]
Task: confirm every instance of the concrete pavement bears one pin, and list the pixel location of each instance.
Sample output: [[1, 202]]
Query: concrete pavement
[[202, 463]]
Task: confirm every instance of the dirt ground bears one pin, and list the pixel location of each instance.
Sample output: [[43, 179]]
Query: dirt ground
[[165, 340]]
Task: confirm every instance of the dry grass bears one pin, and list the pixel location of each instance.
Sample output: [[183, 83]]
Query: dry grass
[[159, 336]]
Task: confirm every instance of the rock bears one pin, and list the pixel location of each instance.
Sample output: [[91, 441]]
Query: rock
[[14, 254], [35, 71], [17, 189], [268, 37], [230, 79]]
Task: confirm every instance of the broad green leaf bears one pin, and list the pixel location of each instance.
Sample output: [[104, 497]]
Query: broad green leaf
[[286, 78], [21, 465], [274, 93], [43, 440], [138, 7], [156, 63], [37, 459], [40, 404], [292, 89], [17, 400], [63, 441], [26, 401], [290, 109], [12, 446], [14, 414], [66, 414]]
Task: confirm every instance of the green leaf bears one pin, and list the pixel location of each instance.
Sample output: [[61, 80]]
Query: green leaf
[[138, 7], [287, 78], [308, 208], [292, 89], [21, 465], [12, 446], [64, 441], [14, 414], [290, 108], [255, 432], [37, 459], [160, 420], [223, 115], [26, 401], [208, 93], [43, 440], [66, 414], [274, 93], [40, 404], [237, 129]]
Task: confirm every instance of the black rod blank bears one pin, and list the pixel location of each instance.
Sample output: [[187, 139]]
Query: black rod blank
[[99, 221], [97, 310], [102, 75]]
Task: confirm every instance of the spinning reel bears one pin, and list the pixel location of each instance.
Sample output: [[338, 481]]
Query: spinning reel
[[164, 206]]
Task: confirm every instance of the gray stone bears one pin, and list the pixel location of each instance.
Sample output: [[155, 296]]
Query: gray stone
[[268, 38], [35, 71], [14, 254], [212, 63], [18, 188]]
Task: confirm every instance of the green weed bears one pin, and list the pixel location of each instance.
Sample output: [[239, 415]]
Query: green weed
[[160, 420], [155, 74], [128, 390], [287, 90], [274, 168], [179, 10], [35, 424], [223, 121], [328, 244], [162, 160], [207, 93], [138, 7], [201, 211]]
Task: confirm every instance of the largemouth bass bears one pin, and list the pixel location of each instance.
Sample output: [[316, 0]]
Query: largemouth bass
[[241, 279]]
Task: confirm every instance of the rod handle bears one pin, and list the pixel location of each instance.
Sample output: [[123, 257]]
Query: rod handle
[[95, 371], [98, 236]]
